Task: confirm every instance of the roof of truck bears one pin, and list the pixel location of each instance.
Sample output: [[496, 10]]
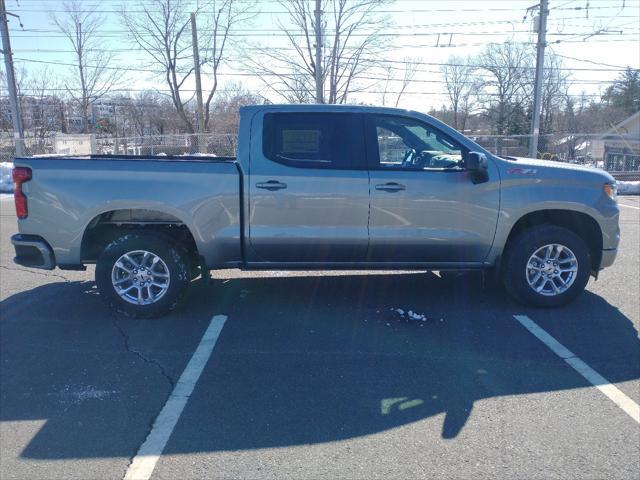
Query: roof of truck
[[323, 107]]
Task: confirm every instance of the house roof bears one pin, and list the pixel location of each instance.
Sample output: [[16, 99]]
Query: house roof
[[623, 126]]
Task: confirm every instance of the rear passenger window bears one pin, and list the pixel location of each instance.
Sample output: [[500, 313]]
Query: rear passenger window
[[309, 140]]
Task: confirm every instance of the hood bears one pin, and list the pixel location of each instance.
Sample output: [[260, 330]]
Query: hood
[[550, 168]]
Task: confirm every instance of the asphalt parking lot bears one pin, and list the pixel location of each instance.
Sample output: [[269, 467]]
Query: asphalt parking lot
[[316, 375]]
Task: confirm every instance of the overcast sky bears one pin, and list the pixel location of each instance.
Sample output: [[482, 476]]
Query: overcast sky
[[428, 29]]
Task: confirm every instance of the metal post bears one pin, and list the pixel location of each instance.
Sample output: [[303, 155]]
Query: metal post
[[318, 70], [537, 98], [196, 66], [16, 114]]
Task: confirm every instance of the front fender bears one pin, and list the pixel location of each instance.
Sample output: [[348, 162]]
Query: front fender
[[521, 197]]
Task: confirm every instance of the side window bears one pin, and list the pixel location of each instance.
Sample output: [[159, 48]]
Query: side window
[[408, 144], [309, 140]]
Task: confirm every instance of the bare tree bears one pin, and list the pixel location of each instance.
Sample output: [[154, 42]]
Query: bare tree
[[162, 29], [462, 84], [94, 74], [554, 92], [352, 44], [410, 68], [42, 113], [388, 78], [226, 117], [221, 18], [506, 91], [45, 111]]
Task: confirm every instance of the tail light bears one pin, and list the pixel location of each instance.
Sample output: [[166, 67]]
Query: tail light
[[20, 176]]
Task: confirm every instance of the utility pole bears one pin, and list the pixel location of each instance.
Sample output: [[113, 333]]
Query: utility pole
[[196, 66], [86, 102], [16, 115], [319, 85], [537, 96]]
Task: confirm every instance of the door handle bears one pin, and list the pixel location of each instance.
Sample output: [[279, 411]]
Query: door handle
[[271, 185], [391, 187]]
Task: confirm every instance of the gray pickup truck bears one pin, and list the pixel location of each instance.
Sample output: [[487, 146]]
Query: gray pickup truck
[[317, 187]]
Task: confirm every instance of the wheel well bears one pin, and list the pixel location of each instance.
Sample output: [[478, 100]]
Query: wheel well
[[108, 226], [579, 223]]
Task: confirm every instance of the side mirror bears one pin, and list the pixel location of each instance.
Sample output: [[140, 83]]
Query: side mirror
[[476, 163]]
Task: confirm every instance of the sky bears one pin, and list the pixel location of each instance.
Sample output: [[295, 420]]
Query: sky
[[595, 42]]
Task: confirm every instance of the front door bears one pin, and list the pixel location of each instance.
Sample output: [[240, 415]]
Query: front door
[[309, 188], [424, 206]]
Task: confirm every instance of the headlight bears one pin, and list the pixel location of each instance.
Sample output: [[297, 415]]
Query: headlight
[[610, 189]]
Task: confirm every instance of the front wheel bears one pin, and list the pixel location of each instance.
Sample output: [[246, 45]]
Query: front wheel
[[546, 266], [142, 276]]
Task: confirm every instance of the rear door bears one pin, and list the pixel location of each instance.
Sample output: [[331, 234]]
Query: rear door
[[424, 206], [309, 188]]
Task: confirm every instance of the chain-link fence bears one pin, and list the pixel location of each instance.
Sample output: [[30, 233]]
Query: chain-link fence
[[218, 144], [611, 152], [33, 146]]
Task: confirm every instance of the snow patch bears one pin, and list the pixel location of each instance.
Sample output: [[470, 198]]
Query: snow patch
[[409, 315], [77, 394], [198, 154], [6, 179], [628, 188]]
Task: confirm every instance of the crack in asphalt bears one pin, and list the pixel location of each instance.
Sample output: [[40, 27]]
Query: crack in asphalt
[[139, 354], [36, 272], [150, 361]]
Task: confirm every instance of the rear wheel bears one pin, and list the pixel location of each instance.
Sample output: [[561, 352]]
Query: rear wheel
[[142, 276], [546, 266]]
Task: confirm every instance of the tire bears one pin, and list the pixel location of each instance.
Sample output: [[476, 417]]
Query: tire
[[560, 286], [154, 287]]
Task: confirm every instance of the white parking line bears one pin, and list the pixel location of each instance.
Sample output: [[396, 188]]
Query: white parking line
[[145, 461], [630, 407], [628, 206]]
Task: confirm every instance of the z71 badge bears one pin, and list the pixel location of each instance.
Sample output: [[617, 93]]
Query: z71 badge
[[522, 171]]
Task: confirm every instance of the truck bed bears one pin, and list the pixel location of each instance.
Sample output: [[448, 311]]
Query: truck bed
[[68, 195], [142, 158]]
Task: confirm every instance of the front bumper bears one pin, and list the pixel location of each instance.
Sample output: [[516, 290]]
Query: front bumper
[[608, 257], [33, 251]]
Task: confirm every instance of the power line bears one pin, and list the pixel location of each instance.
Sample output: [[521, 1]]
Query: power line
[[137, 69], [590, 61], [279, 33], [287, 90], [393, 67], [407, 10]]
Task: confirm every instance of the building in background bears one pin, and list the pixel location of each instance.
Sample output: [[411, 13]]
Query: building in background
[[619, 147]]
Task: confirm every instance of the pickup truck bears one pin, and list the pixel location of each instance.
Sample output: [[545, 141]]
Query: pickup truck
[[317, 187]]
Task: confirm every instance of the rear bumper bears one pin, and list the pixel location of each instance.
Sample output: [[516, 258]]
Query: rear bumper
[[33, 251], [608, 257]]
